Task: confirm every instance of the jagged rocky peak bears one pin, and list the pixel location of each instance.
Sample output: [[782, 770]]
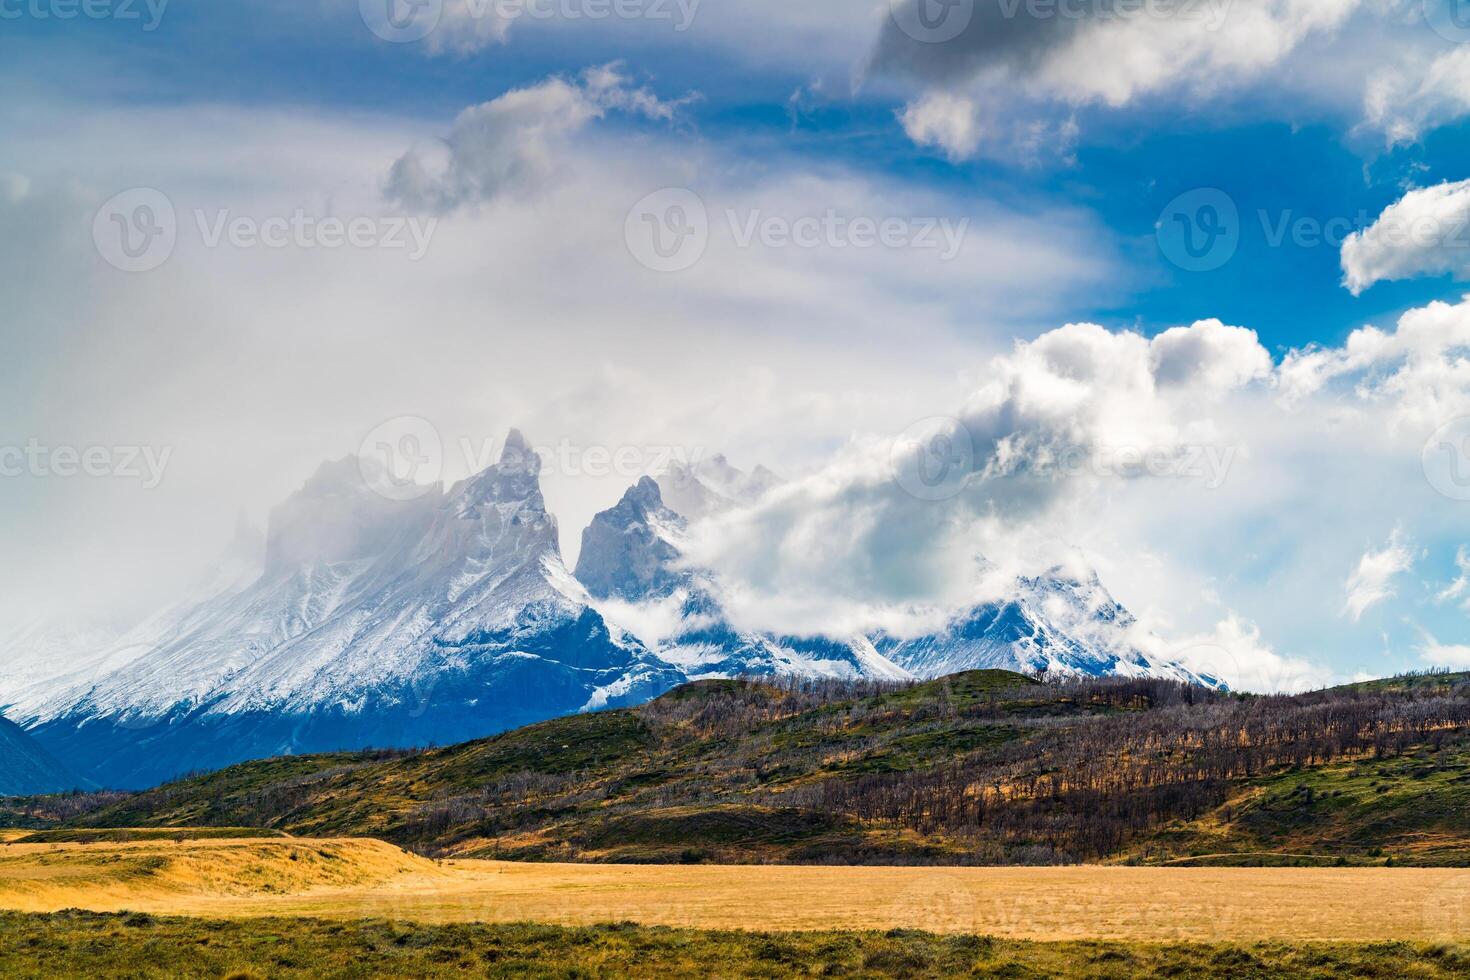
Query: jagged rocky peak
[[708, 486], [499, 515], [628, 551], [515, 479], [339, 515]]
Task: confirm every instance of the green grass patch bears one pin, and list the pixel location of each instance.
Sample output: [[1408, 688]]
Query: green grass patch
[[144, 946]]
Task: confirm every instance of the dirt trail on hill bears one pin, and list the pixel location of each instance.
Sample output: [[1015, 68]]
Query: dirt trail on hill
[[368, 879]]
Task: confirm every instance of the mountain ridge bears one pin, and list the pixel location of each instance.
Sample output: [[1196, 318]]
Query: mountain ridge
[[985, 767]]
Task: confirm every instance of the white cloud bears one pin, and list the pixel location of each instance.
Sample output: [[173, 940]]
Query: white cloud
[[1426, 232], [1209, 355], [1453, 655], [1372, 581], [1405, 102], [1459, 589], [1416, 377], [515, 142], [1235, 651], [1052, 420], [1014, 64], [1328, 439], [943, 120], [529, 312]]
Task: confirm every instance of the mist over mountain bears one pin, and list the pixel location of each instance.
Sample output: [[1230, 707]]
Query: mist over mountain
[[375, 622], [365, 617]]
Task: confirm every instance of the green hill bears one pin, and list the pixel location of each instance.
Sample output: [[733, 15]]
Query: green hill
[[983, 767]]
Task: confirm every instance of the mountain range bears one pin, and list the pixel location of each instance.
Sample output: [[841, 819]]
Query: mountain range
[[365, 619]]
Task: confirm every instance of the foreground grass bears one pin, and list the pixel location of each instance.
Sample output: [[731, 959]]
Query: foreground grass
[[136, 945]]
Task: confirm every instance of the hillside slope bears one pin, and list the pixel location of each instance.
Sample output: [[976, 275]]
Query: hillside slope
[[981, 767], [26, 768]]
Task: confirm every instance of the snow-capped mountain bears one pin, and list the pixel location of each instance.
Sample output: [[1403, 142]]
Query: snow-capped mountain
[[1055, 624], [632, 561], [376, 621], [51, 655], [37, 652], [366, 619]]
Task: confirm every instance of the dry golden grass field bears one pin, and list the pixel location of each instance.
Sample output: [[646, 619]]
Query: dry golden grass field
[[352, 879]]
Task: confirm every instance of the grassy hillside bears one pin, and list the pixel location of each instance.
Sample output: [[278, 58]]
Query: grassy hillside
[[984, 767], [1411, 809], [136, 945]]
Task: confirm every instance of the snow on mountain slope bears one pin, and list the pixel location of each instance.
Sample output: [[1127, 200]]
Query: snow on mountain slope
[[1052, 624], [39, 651], [69, 657], [377, 621], [631, 563]]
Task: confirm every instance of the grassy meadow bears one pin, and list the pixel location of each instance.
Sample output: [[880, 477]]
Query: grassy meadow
[[76, 943]]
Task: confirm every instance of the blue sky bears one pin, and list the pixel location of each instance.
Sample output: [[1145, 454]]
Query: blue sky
[[1059, 145], [1277, 161]]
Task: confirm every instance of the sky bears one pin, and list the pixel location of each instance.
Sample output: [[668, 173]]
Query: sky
[[1176, 286]]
